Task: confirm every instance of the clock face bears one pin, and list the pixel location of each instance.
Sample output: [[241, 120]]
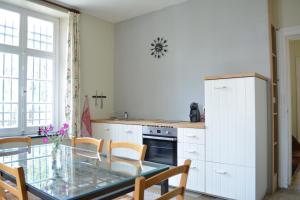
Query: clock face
[[159, 47]]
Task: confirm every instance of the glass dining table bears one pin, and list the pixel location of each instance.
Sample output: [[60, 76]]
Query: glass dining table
[[77, 173]]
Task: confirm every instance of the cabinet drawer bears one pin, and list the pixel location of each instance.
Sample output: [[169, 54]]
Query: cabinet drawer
[[191, 151], [192, 136], [230, 181], [196, 179]]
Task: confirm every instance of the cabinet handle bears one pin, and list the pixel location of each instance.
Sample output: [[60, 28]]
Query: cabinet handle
[[128, 131], [220, 87], [221, 172], [192, 151], [193, 167], [106, 129], [191, 136]]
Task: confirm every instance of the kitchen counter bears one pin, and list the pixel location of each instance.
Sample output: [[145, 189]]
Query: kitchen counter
[[143, 122]]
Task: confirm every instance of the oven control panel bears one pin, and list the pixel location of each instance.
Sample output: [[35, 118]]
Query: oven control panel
[[166, 131]]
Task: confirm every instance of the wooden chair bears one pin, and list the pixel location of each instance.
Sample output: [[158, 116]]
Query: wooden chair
[[16, 140], [141, 183], [141, 149], [135, 164], [87, 140], [12, 191]]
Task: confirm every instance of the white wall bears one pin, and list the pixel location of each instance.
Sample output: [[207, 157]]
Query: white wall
[[97, 62], [287, 12], [205, 37]]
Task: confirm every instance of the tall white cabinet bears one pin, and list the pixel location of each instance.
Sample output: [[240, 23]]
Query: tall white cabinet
[[236, 137]]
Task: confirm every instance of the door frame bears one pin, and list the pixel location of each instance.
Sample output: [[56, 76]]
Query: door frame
[[297, 72], [284, 104]]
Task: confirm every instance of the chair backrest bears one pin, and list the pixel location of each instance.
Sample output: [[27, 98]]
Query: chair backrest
[[141, 184], [20, 190], [124, 166], [87, 140], [16, 140], [141, 149]]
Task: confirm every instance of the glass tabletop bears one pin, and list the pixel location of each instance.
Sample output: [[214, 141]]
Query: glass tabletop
[[74, 172]]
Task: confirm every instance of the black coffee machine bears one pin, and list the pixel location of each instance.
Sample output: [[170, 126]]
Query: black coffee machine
[[194, 113]]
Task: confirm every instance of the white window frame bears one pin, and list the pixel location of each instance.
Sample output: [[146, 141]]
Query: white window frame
[[23, 52]]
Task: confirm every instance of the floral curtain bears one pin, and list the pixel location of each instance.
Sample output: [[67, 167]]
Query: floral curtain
[[72, 104]]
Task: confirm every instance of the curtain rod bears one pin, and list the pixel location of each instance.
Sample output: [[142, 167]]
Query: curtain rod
[[53, 4]]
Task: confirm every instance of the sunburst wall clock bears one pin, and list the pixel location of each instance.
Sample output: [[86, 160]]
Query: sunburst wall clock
[[159, 47]]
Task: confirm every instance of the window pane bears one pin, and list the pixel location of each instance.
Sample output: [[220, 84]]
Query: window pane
[[40, 34], [9, 27], [9, 90], [39, 91]]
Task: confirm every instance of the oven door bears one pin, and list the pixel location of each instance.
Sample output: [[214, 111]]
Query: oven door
[[161, 149]]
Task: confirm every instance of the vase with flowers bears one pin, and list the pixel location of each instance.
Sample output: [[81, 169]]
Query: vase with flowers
[[57, 138]]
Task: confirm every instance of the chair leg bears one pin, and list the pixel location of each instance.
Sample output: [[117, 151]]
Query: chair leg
[[2, 194], [164, 187], [180, 197]]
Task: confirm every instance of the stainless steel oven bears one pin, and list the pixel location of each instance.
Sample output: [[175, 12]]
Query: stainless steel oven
[[161, 144]]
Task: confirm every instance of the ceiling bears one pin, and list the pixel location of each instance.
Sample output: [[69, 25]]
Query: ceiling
[[31, 5], [118, 10]]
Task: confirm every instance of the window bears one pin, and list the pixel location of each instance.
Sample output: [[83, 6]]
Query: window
[[27, 70], [40, 34], [39, 91], [9, 90], [9, 27]]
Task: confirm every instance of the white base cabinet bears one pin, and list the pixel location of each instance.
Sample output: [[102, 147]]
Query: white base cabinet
[[191, 145], [119, 133]]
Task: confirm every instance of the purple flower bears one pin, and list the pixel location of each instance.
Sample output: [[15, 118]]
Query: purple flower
[[50, 127], [61, 131], [45, 140], [65, 125], [45, 130]]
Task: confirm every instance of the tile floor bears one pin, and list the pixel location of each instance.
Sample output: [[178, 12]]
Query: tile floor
[[293, 193]]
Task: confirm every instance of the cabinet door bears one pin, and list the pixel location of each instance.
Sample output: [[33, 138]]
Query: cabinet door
[[118, 136], [229, 181], [130, 134], [230, 117], [102, 131]]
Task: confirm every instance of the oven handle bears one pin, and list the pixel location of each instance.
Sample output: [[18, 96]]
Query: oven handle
[[160, 138]]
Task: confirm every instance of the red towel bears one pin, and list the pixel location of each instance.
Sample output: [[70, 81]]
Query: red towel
[[86, 126]]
